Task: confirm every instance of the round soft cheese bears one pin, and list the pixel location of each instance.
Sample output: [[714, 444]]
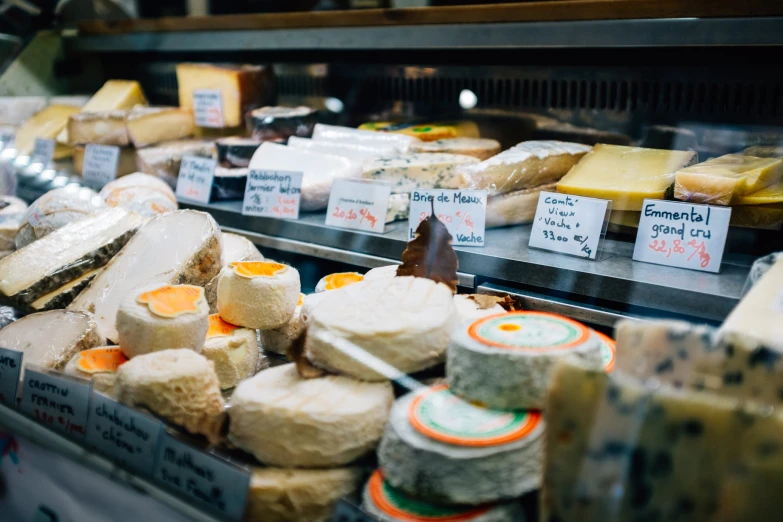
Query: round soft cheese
[[232, 349], [382, 272], [469, 311], [309, 303], [163, 317], [258, 294], [99, 365], [287, 421], [146, 195], [234, 248], [338, 280], [54, 210], [179, 385], [608, 351], [278, 340], [389, 504], [442, 448], [375, 329], [506, 361]]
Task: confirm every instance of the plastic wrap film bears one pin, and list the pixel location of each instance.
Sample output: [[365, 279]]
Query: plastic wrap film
[[526, 165], [8, 315], [515, 208], [401, 142], [406, 172], [144, 194], [12, 210], [165, 160], [480, 148], [236, 151], [229, 183], [760, 267], [280, 123]]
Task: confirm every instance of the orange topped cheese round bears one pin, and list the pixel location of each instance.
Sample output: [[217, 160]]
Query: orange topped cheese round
[[100, 360], [257, 268], [608, 351], [173, 300], [219, 328], [339, 280]]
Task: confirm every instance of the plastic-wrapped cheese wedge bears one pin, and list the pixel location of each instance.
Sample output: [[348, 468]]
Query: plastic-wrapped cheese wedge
[[63, 296], [144, 194], [151, 125], [436, 444], [407, 172], [338, 280], [515, 208], [480, 148], [401, 142], [278, 340], [257, 294], [773, 194], [99, 365], [233, 350], [356, 152]]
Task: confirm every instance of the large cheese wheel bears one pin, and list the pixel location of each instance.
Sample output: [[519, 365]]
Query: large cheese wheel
[[144, 194], [54, 210], [287, 421], [278, 340], [233, 350], [162, 317], [505, 361], [392, 325], [99, 365], [446, 450], [257, 294]]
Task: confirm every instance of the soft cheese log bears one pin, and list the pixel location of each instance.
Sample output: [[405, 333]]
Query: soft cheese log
[[298, 495], [51, 339], [338, 280], [438, 447], [63, 296], [389, 504], [233, 350], [181, 247], [257, 294], [401, 142], [179, 385], [281, 123], [626, 175], [505, 361], [151, 125], [235, 248], [407, 172], [144, 194], [480, 148], [319, 170], [66, 254], [98, 365], [126, 164], [288, 421], [278, 340], [355, 151], [403, 322], [515, 208], [524, 166], [12, 210], [100, 128], [469, 311], [620, 449], [159, 317], [165, 160], [45, 124]]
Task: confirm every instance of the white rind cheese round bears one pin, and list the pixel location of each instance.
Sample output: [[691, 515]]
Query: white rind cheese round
[[402, 322], [287, 421], [235, 248], [338, 280], [12, 211], [146, 195], [506, 361], [141, 330], [278, 340], [458, 453], [179, 385], [382, 272], [389, 504], [298, 495], [468, 310], [233, 350], [264, 297], [102, 377]]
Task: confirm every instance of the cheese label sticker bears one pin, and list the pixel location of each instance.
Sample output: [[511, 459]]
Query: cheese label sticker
[[400, 506], [43, 150], [335, 281], [173, 300], [251, 269], [10, 367], [608, 351], [195, 178], [529, 331], [440, 415], [275, 194], [208, 108], [101, 360], [464, 213], [219, 328], [100, 164], [57, 401]]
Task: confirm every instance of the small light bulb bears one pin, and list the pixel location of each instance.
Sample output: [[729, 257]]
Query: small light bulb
[[467, 99]]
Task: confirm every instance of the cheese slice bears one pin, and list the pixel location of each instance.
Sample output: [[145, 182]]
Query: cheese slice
[[126, 163], [626, 175], [164, 160], [152, 125], [480, 148], [64, 295], [514, 208], [44, 124], [102, 128], [400, 142], [407, 172], [768, 195]]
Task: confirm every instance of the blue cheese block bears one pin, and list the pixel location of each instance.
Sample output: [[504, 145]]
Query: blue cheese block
[[406, 172], [399, 207], [448, 451]]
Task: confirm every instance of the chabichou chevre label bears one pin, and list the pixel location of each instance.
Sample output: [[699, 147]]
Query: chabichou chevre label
[[173, 300], [220, 328], [529, 331], [440, 415], [607, 351]]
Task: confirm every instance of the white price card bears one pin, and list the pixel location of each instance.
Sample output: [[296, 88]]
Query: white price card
[[463, 212], [195, 178], [10, 367], [212, 482], [43, 150], [358, 204], [271, 193], [123, 434], [100, 164], [208, 108], [572, 225], [682, 235], [57, 401]]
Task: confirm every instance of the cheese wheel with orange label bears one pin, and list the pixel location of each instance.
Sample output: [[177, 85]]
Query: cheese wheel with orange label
[[257, 294], [278, 340], [608, 351], [442, 448], [233, 350], [99, 365], [162, 317], [338, 280], [505, 361]]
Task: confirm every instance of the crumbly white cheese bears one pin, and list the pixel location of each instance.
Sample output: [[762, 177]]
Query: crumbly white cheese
[[235, 356], [410, 171], [278, 340], [261, 302]]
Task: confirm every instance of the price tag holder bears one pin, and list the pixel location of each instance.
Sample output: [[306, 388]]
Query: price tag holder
[[100, 164], [214, 483], [571, 225], [463, 212], [271, 193], [43, 150], [10, 368], [358, 204], [58, 401], [682, 235], [208, 108], [195, 179], [127, 436]]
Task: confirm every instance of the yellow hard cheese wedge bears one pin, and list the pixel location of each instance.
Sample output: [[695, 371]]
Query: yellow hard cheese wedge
[[427, 131], [766, 196], [720, 181], [769, 217], [46, 123], [625, 175]]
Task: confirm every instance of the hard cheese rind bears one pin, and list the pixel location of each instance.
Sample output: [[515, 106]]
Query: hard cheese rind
[[515, 208], [63, 296], [151, 125], [100, 128], [281, 123], [407, 172], [480, 148]]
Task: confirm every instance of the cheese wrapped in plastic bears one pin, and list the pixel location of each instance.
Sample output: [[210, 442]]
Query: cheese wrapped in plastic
[[515, 208], [165, 159]]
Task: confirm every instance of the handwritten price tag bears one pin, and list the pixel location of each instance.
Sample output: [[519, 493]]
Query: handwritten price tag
[[358, 204], [271, 193], [463, 212], [43, 150], [683, 235], [208, 108], [195, 178], [572, 225], [100, 164], [10, 367], [56, 401]]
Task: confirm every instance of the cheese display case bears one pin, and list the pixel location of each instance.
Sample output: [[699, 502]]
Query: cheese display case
[[290, 267]]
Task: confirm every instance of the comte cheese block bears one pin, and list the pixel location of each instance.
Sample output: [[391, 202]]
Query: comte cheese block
[[526, 165], [63, 296], [179, 385], [288, 421], [436, 445], [12, 211], [54, 210], [235, 248], [45, 124], [159, 317], [281, 123], [401, 142], [278, 340], [389, 504], [403, 323], [515, 208], [233, 350], [146, 195], [407, 172], [626, 175], [101, 128], [126, 163], [98, 365], [165, 160], [480, 148], [151, 125], [505, 361], [338, 280], [257, 294], [181, 247]]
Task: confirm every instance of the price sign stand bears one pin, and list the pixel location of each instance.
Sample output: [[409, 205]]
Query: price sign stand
[[43, 151], [100, 164], [463, 212], [271, 193], [195, 179], [358, 204], [56, 400], [10, 369]]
